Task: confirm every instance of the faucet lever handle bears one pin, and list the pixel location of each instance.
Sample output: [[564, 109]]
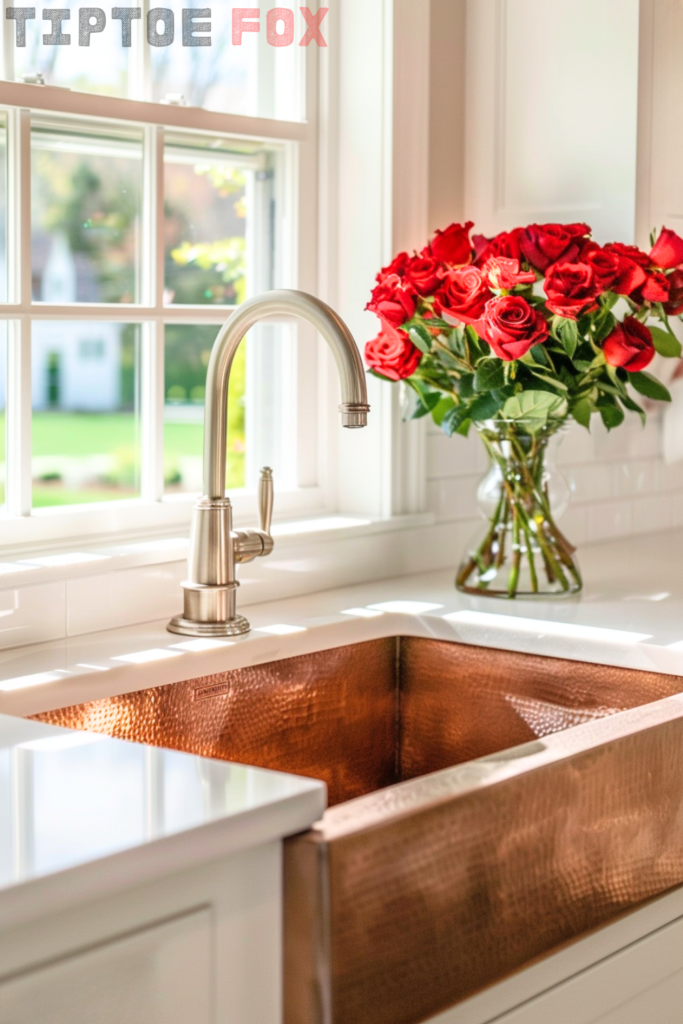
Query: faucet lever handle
[[265, 499]]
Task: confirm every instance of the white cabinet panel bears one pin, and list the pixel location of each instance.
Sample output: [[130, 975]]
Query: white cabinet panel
[[643, 984], [162, 975], [552, 101]]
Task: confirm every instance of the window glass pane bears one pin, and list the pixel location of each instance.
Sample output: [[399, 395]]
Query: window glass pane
[[187, 357], [254, 79], [85, 383], [220, 224], [101, 67], [85, 199], [3, 399], [3, 209]]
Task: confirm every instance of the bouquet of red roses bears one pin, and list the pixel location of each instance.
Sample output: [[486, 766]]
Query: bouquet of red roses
[[527, 324], [516, 334]]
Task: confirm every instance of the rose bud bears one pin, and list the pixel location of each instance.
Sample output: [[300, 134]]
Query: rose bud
[[629, 346], [544, 244], [571, 289], [505, 244], [462, 296], [453, 245], [425, 274], [504, 273], [396, 268], [668, 250], [674, 307], [392, 354], [632, 268], [655, 289], [605, 265], [511, 327], [393, 301]]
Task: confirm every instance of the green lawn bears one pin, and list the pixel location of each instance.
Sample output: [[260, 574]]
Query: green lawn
[[64, 442]]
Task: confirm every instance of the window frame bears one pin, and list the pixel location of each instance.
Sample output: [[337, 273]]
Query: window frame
[[152, 511]]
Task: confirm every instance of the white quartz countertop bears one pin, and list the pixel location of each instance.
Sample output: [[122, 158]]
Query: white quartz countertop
[[630, 614], [84, 815]]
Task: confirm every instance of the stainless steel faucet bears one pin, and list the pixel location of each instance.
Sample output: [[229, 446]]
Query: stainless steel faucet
[[210, 591]]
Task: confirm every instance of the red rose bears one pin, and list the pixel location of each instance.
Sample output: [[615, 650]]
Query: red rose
[[668, 250], [462, 296], [393, 301], [396, 268], [606, 266], [425, 274], [453, 245], [571, 289], [511, 326], [544, 244], [655, 289], [674, 307], [505, 274], [505, 244], [392, 354], [629, 346], [633, 264]]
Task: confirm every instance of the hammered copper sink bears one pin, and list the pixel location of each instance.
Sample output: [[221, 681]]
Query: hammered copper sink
[[409, 896]]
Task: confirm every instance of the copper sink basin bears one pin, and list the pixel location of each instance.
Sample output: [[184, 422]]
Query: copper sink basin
[[469, 832]]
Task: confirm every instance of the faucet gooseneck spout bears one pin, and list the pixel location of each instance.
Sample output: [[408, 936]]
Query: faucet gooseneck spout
[[210, 589]]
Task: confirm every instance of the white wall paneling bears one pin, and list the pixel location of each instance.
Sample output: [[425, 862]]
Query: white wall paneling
[[660, 156], [551, 113]]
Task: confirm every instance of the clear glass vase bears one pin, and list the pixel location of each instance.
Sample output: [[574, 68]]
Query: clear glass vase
[[521, 552]]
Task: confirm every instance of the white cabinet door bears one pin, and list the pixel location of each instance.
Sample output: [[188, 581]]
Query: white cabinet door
[[161, 975], [643, 984]]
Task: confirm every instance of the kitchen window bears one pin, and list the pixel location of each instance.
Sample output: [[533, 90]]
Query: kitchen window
[[131, 223]]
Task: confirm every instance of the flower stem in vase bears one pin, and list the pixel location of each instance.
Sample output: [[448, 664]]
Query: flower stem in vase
[[522, 553]]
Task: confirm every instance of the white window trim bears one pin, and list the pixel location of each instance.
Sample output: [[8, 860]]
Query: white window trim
[[152, 511], [379, 473]]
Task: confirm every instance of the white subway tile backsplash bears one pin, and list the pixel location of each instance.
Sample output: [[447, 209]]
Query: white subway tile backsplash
[[124, 598], [652, 513], [636, 478], [454, 499], [452, 456], [32, 615], [609, 519]]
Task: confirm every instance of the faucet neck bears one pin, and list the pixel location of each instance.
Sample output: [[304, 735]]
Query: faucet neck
[[276, 303]]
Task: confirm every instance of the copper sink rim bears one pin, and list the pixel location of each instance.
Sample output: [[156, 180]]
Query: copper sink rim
[[404, 799]]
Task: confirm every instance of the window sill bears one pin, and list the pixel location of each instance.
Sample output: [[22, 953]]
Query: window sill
[[63, 563]]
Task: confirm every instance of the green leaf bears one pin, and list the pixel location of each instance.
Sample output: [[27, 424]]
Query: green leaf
[[569, 336], [464, 427], [604, 328], [533, 405], [445, 405], [632, 406], [609, 300], [426, 405], [649, 386], [582, 412], [421, 338], [484, 407], [380, 376], [612, 415], [466, 386], [553, 381], [665, 343], [538, 355], [453, 419], [490, 375]]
